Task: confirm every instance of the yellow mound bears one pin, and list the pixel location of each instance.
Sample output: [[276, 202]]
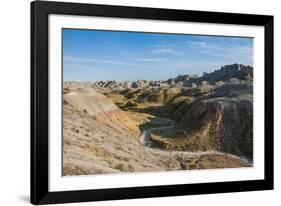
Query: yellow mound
[[100, 107], [90, 101]]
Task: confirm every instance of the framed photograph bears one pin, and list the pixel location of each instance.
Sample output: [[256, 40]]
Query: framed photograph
[[131, 102]]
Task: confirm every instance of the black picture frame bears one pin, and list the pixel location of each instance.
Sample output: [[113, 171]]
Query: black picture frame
[[40, 104]]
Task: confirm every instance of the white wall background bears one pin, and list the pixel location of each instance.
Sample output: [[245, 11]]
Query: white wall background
[[14, 102]]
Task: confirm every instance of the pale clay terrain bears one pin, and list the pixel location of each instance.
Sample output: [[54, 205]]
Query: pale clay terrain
[[98, 137]]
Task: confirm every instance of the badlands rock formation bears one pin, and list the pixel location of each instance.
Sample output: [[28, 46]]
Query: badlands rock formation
[[212, 117]]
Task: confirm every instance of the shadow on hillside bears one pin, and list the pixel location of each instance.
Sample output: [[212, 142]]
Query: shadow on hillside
[[159, 111]]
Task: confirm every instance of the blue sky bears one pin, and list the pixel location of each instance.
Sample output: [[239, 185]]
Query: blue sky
[[91, 55]]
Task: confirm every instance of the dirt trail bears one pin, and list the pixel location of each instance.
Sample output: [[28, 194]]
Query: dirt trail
[[145, 139]]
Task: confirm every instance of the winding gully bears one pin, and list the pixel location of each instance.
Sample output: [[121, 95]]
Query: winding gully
[[145, 139]]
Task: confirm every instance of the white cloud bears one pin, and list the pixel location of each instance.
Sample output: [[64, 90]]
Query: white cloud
[[203, 46], [149, 59], [127, 63], [88, 61], [237, 53], [163, 50]]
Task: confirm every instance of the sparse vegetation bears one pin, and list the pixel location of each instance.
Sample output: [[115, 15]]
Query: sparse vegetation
[[124, 167]]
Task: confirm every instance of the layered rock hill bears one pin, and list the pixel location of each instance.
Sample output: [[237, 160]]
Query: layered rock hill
[[94, 104], [220, 120], [226, 74], [99, 138]]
